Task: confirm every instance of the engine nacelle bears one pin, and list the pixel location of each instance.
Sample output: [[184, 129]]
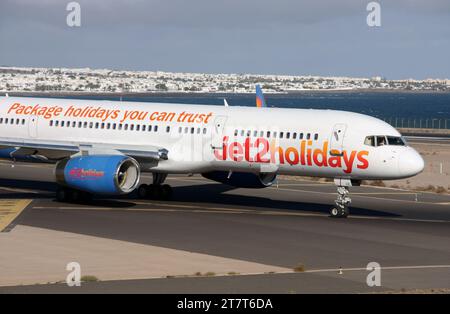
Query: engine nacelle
[[242, 179], [99, 174]]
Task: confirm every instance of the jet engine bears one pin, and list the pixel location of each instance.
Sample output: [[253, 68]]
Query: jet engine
[[99, 174]]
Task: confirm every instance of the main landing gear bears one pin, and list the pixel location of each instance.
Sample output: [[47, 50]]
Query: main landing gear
[[157, 190], [65, 194], [342, 202]]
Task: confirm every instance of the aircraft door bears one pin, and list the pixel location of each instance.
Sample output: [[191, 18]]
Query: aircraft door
[[337, 139], [218, 132], [33, 126]]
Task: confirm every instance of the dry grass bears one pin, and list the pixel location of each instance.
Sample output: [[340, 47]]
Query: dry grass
[[89, 278], [299, 268]]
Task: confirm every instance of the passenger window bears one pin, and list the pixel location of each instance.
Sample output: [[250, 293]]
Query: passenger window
[[143, 127], [204, 130], [268, 134], [308, 136], [288, 135], [300, 136], [316, 136], [138, 127], [131, 127], [96, 125], [192, 130], [167, 129], [294, 135], [261, 134], [370, 141], [275, 134], [236, 132], [281, 134], [155, 128]]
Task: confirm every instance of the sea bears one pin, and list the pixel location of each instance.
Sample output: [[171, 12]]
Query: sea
[[401, 109]]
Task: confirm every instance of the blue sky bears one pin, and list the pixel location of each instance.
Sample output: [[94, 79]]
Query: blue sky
[[322, 37]]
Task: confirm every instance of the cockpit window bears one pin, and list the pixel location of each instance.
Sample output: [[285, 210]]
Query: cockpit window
[[381, 140], [370, 140], [395, 140]]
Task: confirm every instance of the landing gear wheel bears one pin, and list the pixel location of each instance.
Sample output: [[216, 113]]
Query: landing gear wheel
[[62, 194], [166, 192], [337, 212], [334, 212], [143, 191], [154, 191]]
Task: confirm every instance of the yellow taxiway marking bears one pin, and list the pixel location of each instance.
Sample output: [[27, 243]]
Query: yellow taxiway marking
[[9, 210], [18, 190]]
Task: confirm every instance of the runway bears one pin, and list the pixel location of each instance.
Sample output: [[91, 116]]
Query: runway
[[283, 226]]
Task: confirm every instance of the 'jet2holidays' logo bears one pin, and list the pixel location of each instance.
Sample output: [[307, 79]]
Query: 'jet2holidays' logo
[[81, 173], [260, 150]]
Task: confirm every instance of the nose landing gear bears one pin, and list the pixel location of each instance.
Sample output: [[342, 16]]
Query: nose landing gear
[[342, 202]]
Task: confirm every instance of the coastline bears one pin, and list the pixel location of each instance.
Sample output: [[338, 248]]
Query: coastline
[[218, 94]]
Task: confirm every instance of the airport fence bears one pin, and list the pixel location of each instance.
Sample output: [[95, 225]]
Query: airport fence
[[413, 123]]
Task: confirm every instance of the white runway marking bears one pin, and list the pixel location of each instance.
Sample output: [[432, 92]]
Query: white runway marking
[[362, 194]]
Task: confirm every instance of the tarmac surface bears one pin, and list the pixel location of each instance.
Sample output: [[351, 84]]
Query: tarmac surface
[[287, 225]]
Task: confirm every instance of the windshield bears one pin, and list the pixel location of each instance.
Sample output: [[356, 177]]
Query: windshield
[[381, 140]]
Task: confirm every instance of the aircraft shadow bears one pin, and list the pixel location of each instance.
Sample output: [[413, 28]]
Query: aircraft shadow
[[213, 193], [202, 193]]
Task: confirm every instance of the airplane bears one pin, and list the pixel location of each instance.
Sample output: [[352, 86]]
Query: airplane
[[102, 147]]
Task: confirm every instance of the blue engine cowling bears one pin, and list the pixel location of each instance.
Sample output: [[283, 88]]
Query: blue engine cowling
[[99, 174], [242, 179]]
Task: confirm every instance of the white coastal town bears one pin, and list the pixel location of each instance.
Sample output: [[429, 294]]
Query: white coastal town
[[29, 79]]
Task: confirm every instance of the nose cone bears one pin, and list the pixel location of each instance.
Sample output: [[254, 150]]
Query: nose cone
[[410, 163]]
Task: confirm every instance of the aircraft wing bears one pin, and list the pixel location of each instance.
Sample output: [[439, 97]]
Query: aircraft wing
[[54, 151]]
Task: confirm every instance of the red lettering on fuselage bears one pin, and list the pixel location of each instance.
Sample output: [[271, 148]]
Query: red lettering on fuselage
[[261, 150]]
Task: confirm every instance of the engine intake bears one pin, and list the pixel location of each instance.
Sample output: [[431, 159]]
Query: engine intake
[[242, 179], [99, 174]]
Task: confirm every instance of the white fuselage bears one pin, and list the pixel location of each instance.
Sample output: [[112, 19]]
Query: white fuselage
[[199, 138]]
